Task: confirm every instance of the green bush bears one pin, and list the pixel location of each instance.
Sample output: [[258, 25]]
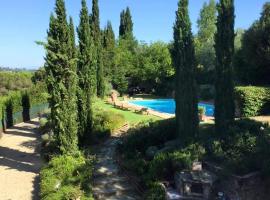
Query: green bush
[[148, 134], [164, 165], [253, 101], [245, 149], [155, 192], [66, 177], [107, 121]]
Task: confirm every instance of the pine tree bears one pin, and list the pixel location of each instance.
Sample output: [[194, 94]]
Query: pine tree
[[185, 89], [96, 35], [224, 46], [86, 73], [62, 80]]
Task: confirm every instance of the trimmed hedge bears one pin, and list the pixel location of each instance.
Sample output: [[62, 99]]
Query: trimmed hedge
[[22, 101], [253, 101]]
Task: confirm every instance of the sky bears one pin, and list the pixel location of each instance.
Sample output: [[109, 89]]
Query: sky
[[24, 22]]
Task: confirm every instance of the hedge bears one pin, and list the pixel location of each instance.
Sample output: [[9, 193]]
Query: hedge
[[253, 101], [21, 101]]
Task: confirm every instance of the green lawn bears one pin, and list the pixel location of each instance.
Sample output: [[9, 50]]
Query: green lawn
[[131, 117]]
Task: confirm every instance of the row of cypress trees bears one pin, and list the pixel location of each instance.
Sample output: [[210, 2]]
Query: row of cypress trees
[[74, 74], [184, 61]]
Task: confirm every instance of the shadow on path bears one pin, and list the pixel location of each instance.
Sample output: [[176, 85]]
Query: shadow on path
[[20, 162]]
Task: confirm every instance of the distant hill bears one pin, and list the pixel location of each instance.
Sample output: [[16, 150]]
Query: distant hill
[[10, 69]]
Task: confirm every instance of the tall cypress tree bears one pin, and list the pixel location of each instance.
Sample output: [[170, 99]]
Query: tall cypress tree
[[96, 35], [73, 47], [108, 43], [62, 80], [86, 73], [183, 55], [224, 46], [126, 24]]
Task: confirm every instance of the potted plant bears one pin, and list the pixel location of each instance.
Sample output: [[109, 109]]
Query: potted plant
[[201, 114]]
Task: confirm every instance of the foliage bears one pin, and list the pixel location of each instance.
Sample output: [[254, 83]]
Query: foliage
[[148, 134], [9, 113], [109, 45], [105, 123], [245, 150], [164, 165], [39, 76], [96, 36], [154, 70], [14, 81], [253, 58], [66, 177], [26, 106], [224, 86], [155, 192], [86, 74], [126, 24], [61, 79], [253, 101], [183, 55], [201, 110], [204, 43]]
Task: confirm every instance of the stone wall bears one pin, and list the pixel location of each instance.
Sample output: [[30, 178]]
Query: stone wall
[[250, 187]]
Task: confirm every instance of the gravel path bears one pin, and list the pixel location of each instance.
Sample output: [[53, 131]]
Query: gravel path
[[20, 162], [109, 183]]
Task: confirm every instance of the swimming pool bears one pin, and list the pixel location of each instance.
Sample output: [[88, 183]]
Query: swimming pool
[[168, 105]]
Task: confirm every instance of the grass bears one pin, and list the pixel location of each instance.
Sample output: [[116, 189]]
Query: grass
[[131, 117]]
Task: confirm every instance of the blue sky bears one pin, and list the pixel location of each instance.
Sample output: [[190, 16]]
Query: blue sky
[[24, 22]]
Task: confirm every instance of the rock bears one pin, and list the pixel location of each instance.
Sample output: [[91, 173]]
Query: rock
[[151, 152]]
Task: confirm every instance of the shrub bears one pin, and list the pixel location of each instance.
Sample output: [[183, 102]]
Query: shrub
[[253, 101], [66, 177], [164, 165], [245, 149], [155, 192], [148, 134], [202, 110], [107, 121]]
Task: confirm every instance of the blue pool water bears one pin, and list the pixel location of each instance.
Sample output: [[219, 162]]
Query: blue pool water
[[168, 105]]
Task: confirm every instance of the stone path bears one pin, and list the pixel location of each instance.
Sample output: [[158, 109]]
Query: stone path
[[20, 163], [109, 183]]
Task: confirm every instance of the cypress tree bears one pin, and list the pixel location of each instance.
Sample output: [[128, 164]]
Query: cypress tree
[[26, 106], [108, 43], [183, 55], [126, 24], [96, 35], [86, 73], [73, 49], [224, 46], [62, 80]]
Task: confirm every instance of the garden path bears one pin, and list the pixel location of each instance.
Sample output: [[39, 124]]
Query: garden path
[[109, 182], [20, 162]]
